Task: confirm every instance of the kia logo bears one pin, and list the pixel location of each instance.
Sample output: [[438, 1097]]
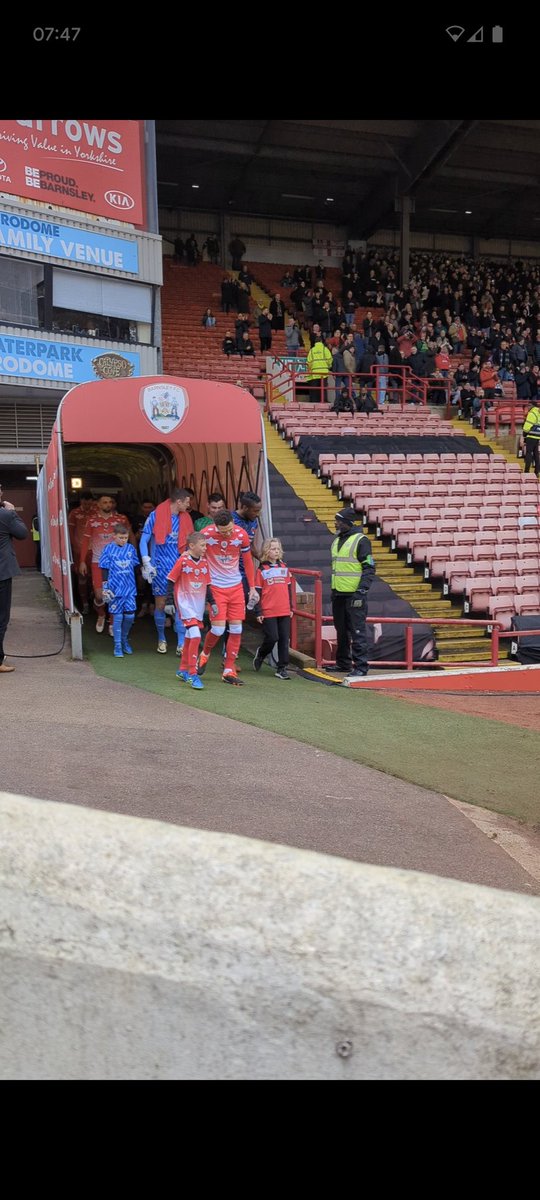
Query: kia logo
[[119, 200], [3, 166]]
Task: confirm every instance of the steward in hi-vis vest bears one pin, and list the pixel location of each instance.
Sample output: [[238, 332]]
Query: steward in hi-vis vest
[[353, 572], [531, 433]]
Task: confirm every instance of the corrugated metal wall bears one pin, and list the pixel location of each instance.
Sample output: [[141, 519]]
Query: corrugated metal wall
[[26, 426]]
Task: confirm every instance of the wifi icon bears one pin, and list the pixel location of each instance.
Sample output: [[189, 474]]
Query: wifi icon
[[455, 32]]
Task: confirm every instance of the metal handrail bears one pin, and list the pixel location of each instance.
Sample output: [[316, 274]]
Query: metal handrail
[[409, 663]]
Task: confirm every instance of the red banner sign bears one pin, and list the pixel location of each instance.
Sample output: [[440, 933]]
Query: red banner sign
[[92, 166], [58, 533]]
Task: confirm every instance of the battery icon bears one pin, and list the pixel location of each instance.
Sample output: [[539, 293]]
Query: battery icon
[[497, 33]]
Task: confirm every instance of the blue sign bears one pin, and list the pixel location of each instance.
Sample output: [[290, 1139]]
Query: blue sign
[[71, 244], [33, 358]]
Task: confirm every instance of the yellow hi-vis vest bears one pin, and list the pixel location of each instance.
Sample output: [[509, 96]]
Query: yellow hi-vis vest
[[36, 536], [531, 424], [346, 570]]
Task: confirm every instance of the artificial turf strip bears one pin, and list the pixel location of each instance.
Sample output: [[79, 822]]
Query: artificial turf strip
[[471, 758]]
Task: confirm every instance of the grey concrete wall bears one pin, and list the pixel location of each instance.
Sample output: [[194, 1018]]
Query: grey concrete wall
[[132, 949]]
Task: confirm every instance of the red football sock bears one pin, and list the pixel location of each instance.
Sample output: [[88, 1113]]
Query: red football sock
[[184, 661], [233, 646], [193, 651], [209, 642]]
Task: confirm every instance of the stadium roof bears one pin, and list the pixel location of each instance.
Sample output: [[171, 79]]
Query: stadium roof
[[468, 177]]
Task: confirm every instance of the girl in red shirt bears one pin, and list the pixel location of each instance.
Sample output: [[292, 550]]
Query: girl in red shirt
[[274, 610]]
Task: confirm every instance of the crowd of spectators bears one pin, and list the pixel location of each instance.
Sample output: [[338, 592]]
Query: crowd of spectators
[[487, 311]]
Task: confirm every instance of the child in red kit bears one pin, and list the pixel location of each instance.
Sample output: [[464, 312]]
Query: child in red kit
[[274, 611], [191, 579]]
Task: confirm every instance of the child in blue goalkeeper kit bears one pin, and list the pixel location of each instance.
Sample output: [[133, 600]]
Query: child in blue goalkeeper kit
[[118, 562]]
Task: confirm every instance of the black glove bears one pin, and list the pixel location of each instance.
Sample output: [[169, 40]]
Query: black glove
[[359, 600]]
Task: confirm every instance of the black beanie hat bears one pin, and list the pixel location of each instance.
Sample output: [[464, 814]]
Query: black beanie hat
[[347, 516]]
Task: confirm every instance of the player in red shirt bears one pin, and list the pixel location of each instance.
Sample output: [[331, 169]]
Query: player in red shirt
[[274, 585], [191, 578], [225, 542], [77, 519], [98, 531]]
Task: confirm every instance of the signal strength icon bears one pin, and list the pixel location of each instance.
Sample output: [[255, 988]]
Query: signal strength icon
[[455, 32]]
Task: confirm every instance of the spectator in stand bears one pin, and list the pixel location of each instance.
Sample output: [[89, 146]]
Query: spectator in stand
[[211, 245], [359, 343], [437, 392], [287, 280], [192, 250], [246, 346], [209, 319], [229, 344], [316, 332], [292, 337], [319, 363], [489, 378], [536, 349], [350, 308], [442, 360], [534, 380], [265, 330], [368, 325], [317, 307], [349, 360], [531, 440], [297, 296], [345, 401], [226, 294], [244, 276], [518, 354], [307, 309], [241, 326], [381, 362], [178, 249], [244, 297], [237, 250], [503, 361], [277, 312], [327, 321], [523, 386]]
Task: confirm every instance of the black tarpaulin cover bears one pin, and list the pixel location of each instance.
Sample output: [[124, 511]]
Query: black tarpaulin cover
[[527, 649], [309, 448]]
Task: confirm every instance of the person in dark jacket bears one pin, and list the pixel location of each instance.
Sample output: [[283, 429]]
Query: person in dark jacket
[[229, 344], [11, 527], [353, 572], [226, 294], [265, 330], [523, 386], [237, 250], [277, 312]]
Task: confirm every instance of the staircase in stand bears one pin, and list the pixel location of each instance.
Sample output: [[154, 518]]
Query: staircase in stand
[[454, 644], [190, 349]]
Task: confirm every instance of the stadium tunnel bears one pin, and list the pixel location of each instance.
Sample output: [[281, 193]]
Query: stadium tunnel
[[139, 438]]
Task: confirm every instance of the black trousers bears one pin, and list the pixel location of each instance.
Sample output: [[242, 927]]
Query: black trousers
[[351, 632], [532, 454], [5, 612], [276, 629]]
